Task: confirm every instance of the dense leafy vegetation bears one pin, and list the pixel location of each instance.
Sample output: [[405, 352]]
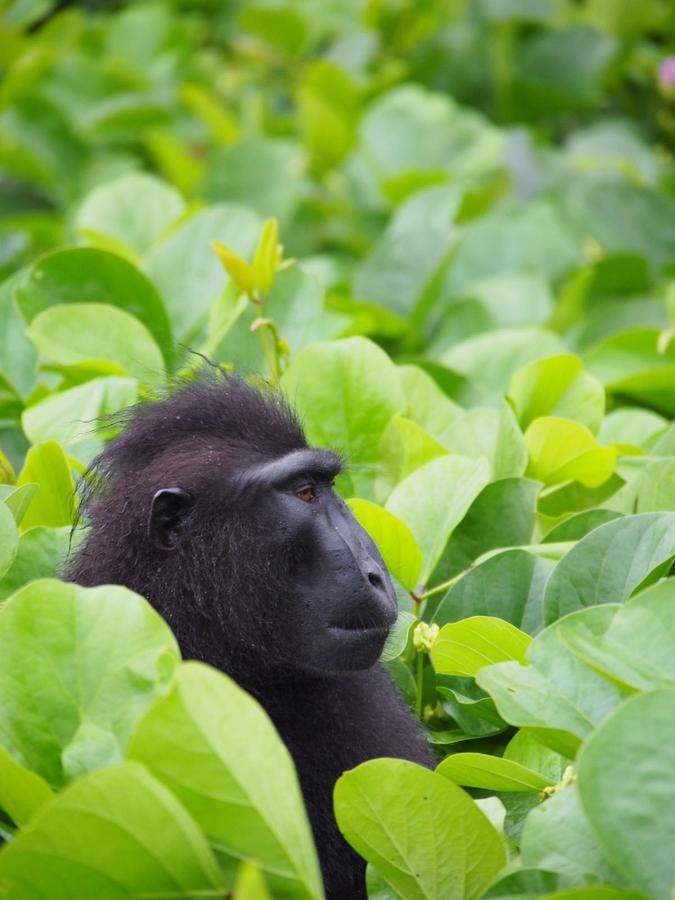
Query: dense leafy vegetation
[[474, 305]]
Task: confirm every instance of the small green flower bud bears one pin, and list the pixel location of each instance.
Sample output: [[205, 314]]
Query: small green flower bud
[[424, 636]]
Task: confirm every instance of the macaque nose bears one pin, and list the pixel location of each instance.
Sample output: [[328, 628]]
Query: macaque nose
[[376, 580]]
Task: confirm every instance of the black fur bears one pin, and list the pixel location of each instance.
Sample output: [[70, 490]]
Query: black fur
[[237, 584]]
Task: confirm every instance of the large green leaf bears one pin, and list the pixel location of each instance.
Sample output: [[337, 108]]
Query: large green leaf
[[558, 696], [425, 836], [637, 648], [454, 482], [557, 386], [295, 304], [629, 796], [489, 360], [465, 647], [427, 404], [562, 450], [410, 128], [492, 773], [88, 275], [346, 393], [404, 447], [219, 753], [510, 585], [116, 833], [609, 563], [558, 837], [263, 173], [494, 434], [22, 792], [502, 515], [9, 538], [632, 364], [70, 416], [187, 272], [41, 554], [132, 211], [79, 668], [54, 503], [78, 332]]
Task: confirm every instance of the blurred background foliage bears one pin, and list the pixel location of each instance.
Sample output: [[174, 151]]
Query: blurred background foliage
[[391, 135], [473, 184]]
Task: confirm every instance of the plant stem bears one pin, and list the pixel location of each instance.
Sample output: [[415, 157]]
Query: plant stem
[[441, 587], [419, 681]]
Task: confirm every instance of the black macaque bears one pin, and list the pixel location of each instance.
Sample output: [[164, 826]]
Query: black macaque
[[211, 505]]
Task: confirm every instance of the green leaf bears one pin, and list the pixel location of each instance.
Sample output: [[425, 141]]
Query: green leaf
[[492, 773], [520, 236], [328, 105], [70, 416], [54, 503], [17, 499], [250, 883], [558, 837], [22, 792], [630, 364], [557, 386], [464, 648], [513, 298], [134, 210], [474, 712], [579, 525], [41, 554], [401, 268], [9, 538], [655, 487], [115, 833], [489, 360], [501, 515], [423, 834], [629, 797], [346, 393], [509, 585], [87, 275], [494, 434], [411, 129], [398, 636], [218, 752], [79, 668], [631, 426], [619, 214], [557, 696], [295, 304], [561, 450], [394, 540], [454, 481], [609, 563], [265, 174], [524, 748], [637, 649], [77, 332], [427, 405], [404, 447], [187, 271]]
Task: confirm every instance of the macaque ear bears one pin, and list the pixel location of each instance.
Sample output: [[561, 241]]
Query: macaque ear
[[168, 511]]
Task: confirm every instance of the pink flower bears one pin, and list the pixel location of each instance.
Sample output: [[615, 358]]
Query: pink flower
[[667, 72]]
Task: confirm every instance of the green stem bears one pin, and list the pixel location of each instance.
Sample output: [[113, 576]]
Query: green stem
[[420, 683], [270, 355], [441, 587]]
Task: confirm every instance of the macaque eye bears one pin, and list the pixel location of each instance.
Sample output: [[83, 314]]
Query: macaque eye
[[306, 494]]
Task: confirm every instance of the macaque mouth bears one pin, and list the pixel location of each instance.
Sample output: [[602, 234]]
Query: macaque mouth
[[360, 627]]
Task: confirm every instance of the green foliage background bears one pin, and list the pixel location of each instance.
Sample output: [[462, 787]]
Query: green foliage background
[[476, 201]]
